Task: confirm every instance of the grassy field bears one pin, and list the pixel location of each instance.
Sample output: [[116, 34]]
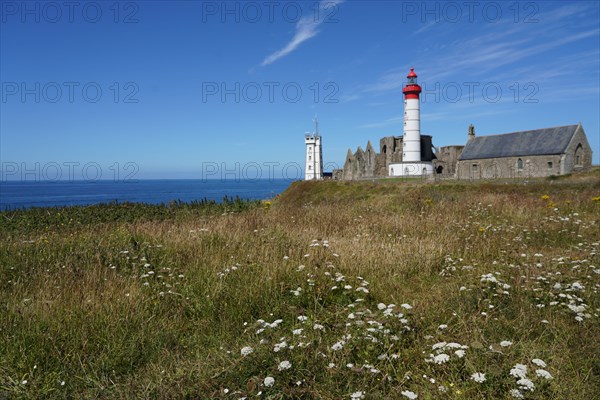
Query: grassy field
[[374, 290]]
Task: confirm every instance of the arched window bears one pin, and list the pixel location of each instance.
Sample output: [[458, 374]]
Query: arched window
[[384, 149], [519, 164], [579, 155]]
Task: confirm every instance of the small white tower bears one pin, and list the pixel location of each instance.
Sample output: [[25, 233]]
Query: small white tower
[[314, 154]]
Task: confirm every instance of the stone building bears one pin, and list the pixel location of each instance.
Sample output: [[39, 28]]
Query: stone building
[[537, 153], [366, 164]]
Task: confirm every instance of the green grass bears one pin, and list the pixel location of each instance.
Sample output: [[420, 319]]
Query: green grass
[[138, 301]]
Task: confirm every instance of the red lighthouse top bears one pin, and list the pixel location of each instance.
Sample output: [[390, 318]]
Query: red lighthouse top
[[412, 89]]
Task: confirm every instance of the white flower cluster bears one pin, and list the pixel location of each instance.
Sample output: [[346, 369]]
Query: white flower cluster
[[519, 371], [440, 349]]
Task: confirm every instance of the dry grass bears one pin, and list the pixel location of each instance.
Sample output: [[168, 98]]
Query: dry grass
[[79, 305]]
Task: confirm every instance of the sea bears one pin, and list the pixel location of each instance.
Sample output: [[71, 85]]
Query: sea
[[19, 194]]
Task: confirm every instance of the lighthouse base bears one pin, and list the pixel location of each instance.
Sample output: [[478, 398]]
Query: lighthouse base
[[418, 168]]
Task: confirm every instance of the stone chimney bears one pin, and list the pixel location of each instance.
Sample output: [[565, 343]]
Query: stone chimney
[[471, 132]]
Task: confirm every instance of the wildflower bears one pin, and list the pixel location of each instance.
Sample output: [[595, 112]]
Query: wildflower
[[338, 346], [459, 353], [441, 358], [505, 343], [246, 350], [439, 345], [357, 395], [478, 377], [526, 384], [279, 346], [516, 394], [318, 327], [519, 371], [297, 331], [269, 381], [284, 365], [381, 306], [275, 323], [539, 363], [331, 365], [24, 382], [409, 394], [545, 197], [443, 326], [406, 306], [542, 373]]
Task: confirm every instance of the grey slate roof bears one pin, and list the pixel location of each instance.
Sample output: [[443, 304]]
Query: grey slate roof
[[525, 143]]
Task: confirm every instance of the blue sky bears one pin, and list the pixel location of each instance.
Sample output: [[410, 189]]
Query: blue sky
[[189, 85]]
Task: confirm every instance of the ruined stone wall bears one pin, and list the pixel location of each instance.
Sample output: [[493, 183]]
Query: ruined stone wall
[[364, 164], [427, 153], [447, 158]]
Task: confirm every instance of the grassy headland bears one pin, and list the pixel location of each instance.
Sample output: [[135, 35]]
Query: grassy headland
[[380, 289]]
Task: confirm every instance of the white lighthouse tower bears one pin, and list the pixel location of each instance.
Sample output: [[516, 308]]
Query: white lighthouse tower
[[314, 154], [411, 153]]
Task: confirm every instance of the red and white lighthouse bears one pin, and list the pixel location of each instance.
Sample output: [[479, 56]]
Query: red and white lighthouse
[[412, 163], [412, 119]]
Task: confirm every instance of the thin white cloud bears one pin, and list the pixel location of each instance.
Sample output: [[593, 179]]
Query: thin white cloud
[[486, 53], [426, 26], [505, 44], [306, 28]]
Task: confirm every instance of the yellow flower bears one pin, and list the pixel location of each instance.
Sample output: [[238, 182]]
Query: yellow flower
[[267, 204], [545, 197], [596, 199]]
